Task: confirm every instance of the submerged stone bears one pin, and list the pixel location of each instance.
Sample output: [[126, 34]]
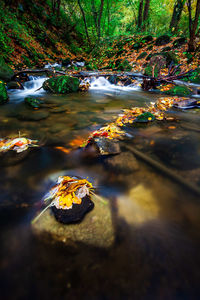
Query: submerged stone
[[95, 230], [32, 115], [123, 163], [3, 93], [33, 102], [61, 85]]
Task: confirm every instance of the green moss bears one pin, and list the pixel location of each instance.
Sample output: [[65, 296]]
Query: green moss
[[3, 93], [5, 71], [33, 102], [181, 91], [61, 85], [145, 117]]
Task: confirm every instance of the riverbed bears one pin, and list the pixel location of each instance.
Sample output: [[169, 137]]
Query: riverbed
[[156, 246]]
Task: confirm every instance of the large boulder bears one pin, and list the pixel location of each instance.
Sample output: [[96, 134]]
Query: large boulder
[[6, 72], [162, 40], [3, 93], [95, 230], [61, 85], [179, 42]]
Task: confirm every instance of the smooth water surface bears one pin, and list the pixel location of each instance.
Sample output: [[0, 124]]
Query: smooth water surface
[[156, 221]]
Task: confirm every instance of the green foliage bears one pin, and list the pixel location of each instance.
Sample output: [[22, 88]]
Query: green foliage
[[181, 91], [3, 93]]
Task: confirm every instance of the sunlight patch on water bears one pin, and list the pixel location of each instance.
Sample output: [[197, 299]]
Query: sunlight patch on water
[[138, 206]]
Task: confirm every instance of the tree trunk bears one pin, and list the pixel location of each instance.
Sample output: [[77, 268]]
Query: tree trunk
[[176, 16], [140, 10], [99, 19], [191, 43], [84, 20], [146, 13]]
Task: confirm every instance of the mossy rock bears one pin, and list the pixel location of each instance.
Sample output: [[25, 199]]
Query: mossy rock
[[137, 46], [170, 57], [142, 55], [61, 85], [145, 117], [123, 65], [179, 42], [162, 40], [147, 39], [6, 72], [33, 102], [194, 77], [3, 93], [181, 91]]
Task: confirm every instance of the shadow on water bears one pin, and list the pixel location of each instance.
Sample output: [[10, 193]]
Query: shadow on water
[[155, 254]]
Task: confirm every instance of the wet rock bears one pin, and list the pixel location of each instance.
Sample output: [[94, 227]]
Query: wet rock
[[61, 85], [32, 115], [187, 104], [162, 40], [182, 91], [145, 117], [124, 162], [74, 215], [3, 93], [95, 230], [179, 42], [105, 146], [14, 85], [6, 72], [33, 102]]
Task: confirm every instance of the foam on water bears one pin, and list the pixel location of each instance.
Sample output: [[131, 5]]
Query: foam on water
[[30, 88], [102, 83]]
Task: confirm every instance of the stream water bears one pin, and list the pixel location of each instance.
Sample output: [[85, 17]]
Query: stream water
[[156, 252]]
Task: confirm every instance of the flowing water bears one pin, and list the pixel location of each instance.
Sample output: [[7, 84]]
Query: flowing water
[[156, 221]]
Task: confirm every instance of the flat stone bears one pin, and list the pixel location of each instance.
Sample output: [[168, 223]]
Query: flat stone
[[95, 230], [125, 163]]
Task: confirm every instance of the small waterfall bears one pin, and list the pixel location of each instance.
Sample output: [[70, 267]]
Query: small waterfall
[[102, 83], [31, 88]]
